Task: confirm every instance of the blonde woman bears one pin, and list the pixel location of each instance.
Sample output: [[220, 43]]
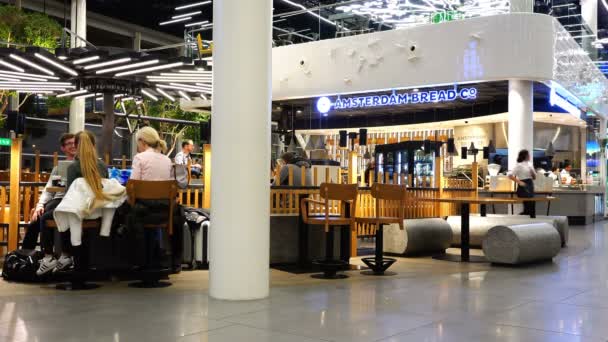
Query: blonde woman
[[89, 195], [150, 163]]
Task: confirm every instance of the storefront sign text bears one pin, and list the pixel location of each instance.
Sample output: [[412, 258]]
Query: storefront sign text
[[324, 104]]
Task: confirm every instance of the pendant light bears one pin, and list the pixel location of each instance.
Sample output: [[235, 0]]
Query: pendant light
[[310, 145], [320, 145]]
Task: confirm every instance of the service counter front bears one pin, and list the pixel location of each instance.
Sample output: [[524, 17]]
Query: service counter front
[[581, 204]]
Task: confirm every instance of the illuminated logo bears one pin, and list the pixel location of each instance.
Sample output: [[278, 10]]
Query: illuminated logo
[[324, 104]]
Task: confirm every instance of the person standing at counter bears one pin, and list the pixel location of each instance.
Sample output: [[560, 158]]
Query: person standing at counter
[[565, 175], [524, 175]]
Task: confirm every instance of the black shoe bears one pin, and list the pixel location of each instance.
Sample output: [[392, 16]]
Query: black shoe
[[176, 269]]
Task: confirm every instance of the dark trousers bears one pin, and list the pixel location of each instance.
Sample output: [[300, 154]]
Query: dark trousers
[[39, 227], [527, 191]]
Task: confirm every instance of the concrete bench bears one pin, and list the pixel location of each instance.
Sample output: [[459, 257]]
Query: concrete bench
[[479, 226], [520, 244], [420, 236]]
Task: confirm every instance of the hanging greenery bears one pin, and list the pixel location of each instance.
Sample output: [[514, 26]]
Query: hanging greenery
[[26, 29]]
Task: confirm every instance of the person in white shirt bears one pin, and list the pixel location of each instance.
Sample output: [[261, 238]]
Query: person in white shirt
[[47, 203], [565, 175], [523, 175], [554, 174], [183, 157]]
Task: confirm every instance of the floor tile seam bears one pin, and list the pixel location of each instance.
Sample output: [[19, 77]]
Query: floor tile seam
[[285, 332], [409, 330], [570, 297], [543, 330], [208, 330], [226, 318]]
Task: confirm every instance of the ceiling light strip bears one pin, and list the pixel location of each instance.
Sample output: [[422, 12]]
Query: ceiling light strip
[[32, 64], [175, 21], [85, 60], [196, 4], [155, 68], [184, 95], [128, 66], [108, 63], [11, 66], [56, 64], [165, 94], [73, 93], [148, 94], [197, 23], [186, 15]]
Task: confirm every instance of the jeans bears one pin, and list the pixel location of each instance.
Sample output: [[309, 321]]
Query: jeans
[[39, 227]]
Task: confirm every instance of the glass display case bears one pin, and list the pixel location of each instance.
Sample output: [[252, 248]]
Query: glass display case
[[409, 162]]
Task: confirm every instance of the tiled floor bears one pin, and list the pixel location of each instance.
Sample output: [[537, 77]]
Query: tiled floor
[[427, 301]]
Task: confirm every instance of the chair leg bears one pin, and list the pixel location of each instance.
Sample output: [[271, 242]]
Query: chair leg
[[329, 266], [379, 264]]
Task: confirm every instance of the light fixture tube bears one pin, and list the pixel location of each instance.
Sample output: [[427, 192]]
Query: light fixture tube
[[25, 74], [149, 95], [186, 15], [108, 63], [196, 4], [158, 67], [32, 64], [56, 65], [197, 23], [184, 95], [72, 93], [11, 66], [165, 94], [85, 60], [175, 21], [128, 66]]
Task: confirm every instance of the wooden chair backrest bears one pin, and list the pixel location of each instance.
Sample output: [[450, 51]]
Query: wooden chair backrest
[[388, 192], [339, 192], [154, 190]]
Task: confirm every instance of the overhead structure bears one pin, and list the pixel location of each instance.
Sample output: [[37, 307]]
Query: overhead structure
[[84, 72]]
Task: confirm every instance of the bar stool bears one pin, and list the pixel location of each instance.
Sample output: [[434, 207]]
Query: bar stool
[[346, 194], [382, 193], [77, 279]]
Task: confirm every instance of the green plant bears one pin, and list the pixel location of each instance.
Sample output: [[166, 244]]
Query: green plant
[[26, 28], [53, 102]]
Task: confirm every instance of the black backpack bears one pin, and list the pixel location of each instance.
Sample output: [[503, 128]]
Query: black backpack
[[21, 265]]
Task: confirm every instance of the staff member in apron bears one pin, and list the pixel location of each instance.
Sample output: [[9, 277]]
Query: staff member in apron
[[524, 175]]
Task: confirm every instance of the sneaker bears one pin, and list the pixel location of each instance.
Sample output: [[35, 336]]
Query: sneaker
[[47, 264], [63, 263]]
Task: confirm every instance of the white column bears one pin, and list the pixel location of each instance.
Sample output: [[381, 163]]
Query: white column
[[583, 152], [239, 247], [521, 119], [78, 21]]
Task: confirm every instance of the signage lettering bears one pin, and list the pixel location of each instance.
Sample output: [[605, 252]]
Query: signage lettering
[[324, 104]]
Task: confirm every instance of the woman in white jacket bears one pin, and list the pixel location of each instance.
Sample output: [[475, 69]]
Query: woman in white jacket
[[90, 196]]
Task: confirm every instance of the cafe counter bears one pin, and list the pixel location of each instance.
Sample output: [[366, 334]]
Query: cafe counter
[[581, 204]]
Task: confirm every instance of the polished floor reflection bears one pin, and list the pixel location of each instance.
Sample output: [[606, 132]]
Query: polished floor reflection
[[428, 300]]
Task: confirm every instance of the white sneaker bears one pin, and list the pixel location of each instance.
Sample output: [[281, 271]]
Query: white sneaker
[[47, 264], [63, 263]]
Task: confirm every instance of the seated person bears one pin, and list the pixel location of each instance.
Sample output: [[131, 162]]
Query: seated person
[[183, 157], [44, 210], [87, 166], [150, 164], [292, 162]]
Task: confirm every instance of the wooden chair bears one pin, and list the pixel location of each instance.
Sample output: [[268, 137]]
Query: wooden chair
[[346, 194], [77, 279], [138, 190], [383, 193]]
